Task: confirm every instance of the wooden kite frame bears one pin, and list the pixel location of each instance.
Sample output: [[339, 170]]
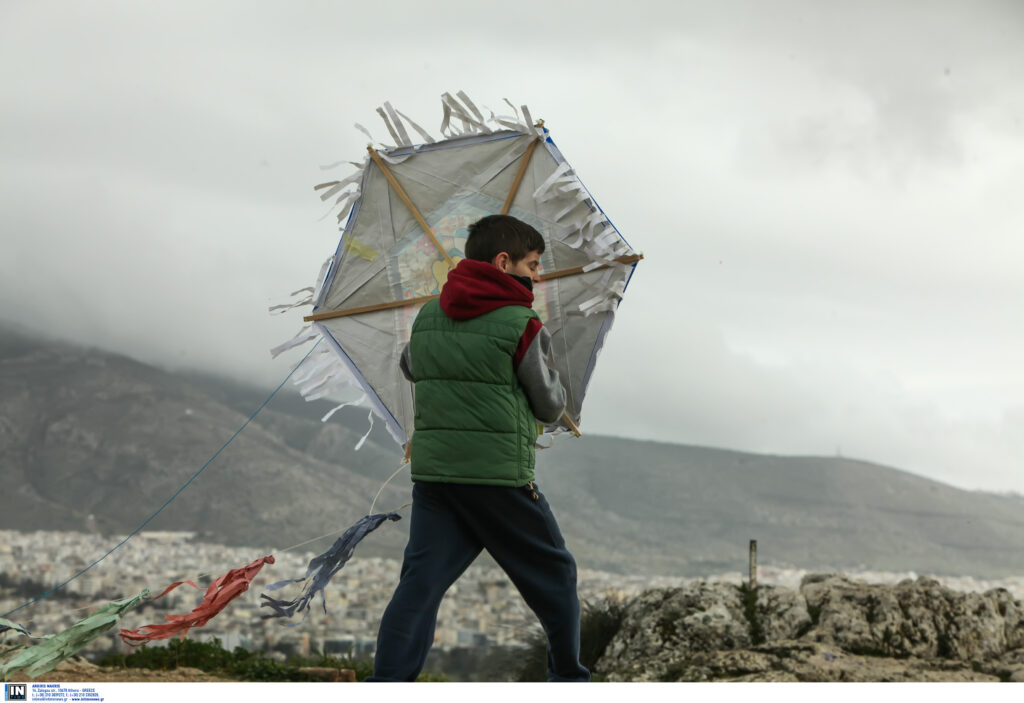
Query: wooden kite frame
[[407, 201], [390, 305]]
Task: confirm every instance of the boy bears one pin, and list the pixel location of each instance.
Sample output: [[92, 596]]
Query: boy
[[478, 359]]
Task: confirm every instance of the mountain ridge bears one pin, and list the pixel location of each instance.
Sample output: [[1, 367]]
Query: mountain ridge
[[84, 432]]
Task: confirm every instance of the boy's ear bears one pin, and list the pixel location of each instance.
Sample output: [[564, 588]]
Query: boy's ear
[[501, 260]]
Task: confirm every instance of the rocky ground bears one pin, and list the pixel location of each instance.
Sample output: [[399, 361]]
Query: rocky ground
[[831, 629]]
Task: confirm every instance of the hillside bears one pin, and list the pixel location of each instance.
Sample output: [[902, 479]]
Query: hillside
[[94, 441], [90, 440], [701, 506]]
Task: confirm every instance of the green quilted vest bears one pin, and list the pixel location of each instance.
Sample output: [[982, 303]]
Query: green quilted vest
[[473, 421]]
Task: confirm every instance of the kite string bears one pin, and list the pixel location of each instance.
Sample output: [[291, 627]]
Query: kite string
[[405, 462], [176, 493], [331, 534]]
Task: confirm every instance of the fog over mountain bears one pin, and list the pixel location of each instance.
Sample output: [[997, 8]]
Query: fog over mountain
[[827, 195]]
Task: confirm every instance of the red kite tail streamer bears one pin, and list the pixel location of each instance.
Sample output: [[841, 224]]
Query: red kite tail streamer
[[218, 594]]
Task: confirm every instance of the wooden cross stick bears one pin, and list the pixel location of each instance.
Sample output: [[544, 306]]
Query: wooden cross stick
[[391, 304], [573, 427], [409, 204], [519, 175], [576, 270]]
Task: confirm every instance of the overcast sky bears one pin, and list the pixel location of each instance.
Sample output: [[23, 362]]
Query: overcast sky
[[827, 196]]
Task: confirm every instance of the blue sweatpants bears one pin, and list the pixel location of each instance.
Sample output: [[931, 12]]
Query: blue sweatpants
[[450, 525]]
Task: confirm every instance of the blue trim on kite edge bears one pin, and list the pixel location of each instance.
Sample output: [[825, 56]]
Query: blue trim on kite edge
[[390, 420], [339, 253], [462, 140]]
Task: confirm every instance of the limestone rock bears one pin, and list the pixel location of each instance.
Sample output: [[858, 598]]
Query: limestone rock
[[918, 618], [833, 629], [663, 627], [781, 614]]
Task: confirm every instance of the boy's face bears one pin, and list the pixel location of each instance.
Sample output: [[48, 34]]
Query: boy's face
[[528, 266]]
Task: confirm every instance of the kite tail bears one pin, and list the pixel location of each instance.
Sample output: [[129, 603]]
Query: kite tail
[[218, 594], [46, 655], [322, 568]]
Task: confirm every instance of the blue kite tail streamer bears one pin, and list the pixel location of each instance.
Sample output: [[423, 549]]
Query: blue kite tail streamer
[[322, 568]]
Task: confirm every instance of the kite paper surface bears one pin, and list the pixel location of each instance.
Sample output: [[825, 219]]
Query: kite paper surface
[[46, 655], [218, 594], [385, 256], [322, 568]]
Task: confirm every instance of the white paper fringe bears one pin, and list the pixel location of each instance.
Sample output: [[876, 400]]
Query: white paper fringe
[[304, 336], [361, 400], [361, 442], [278, 309]]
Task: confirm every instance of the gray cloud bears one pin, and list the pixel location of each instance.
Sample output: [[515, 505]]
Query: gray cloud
[[827, 196]]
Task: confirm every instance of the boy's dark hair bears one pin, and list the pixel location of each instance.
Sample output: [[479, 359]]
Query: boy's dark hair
[[491, 235]]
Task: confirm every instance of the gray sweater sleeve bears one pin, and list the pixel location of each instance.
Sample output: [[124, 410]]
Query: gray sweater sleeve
[[540, 381]]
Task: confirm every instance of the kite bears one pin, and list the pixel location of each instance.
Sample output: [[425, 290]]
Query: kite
[[46, 655], [405, 213], [218, 594], [322, 568]]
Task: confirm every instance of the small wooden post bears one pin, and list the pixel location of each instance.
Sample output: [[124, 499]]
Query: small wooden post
[[753, 564]]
